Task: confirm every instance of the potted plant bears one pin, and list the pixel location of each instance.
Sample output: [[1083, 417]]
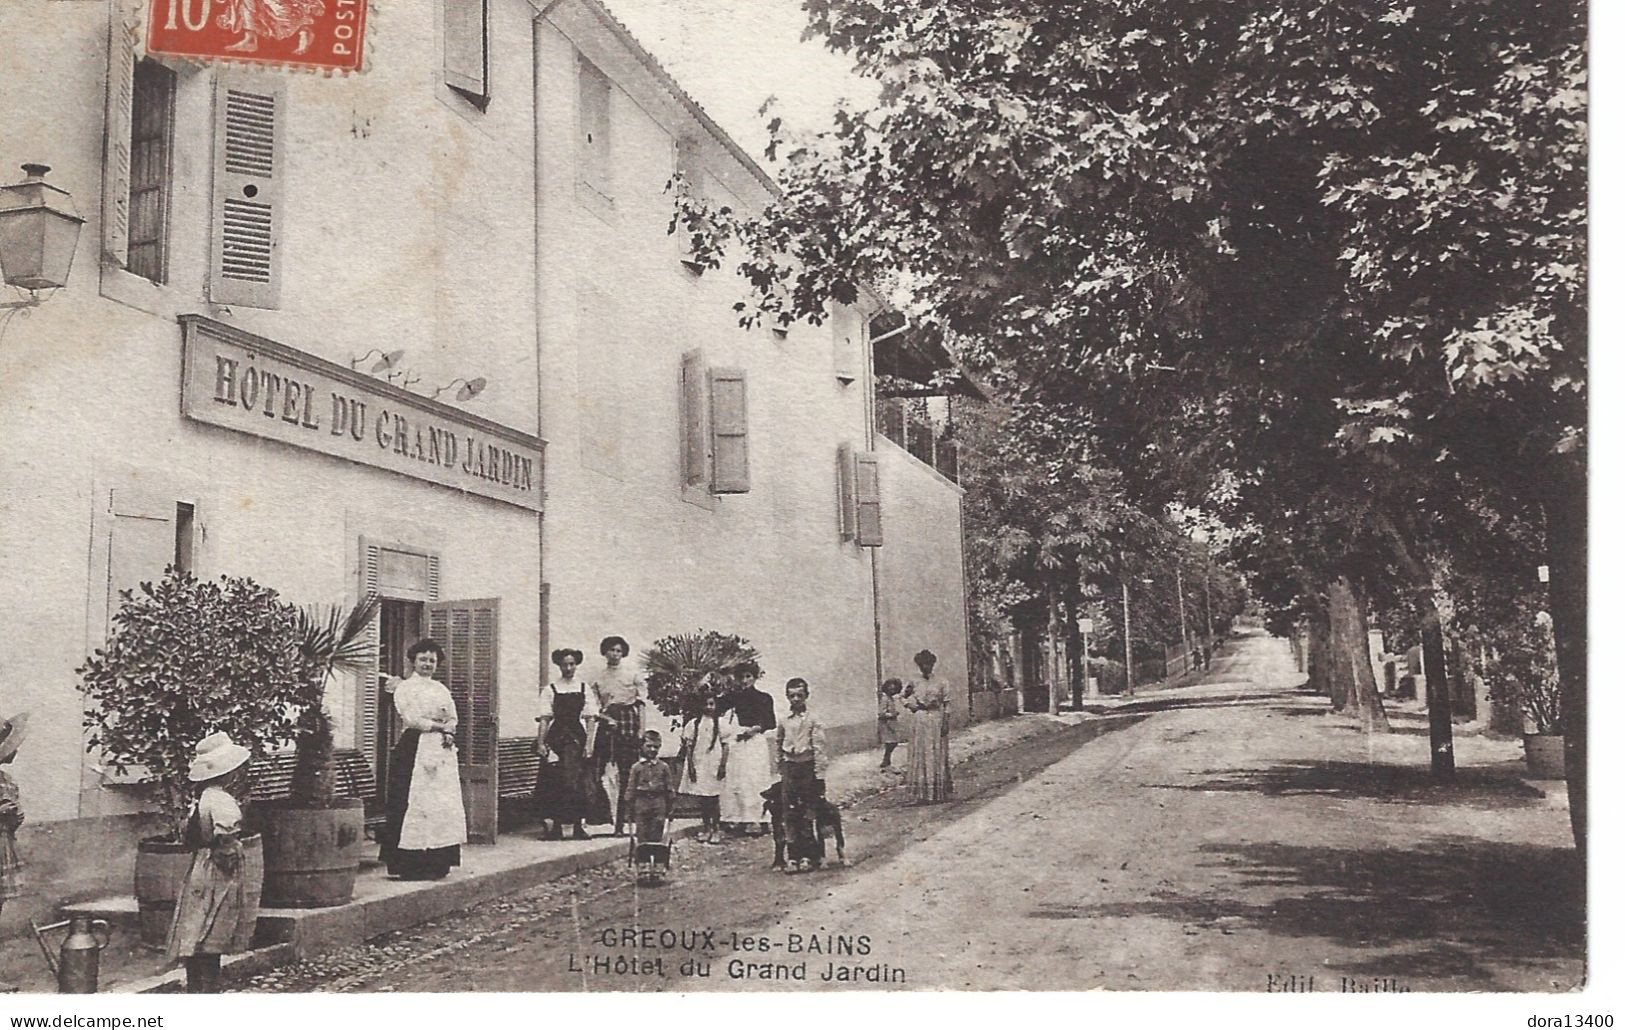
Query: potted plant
[[1523, 673], [313, 839], [186, 658]]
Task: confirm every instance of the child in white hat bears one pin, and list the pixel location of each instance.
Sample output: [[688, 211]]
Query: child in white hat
[[218, 903], [12, 732]]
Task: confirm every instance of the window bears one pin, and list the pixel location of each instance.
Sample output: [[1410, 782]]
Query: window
[[246, 243], [185, 519], [151, 154], [467, 56], [715, 429], [593, 103]]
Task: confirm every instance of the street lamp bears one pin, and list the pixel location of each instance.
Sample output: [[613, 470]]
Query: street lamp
[[39, 231], [471, 388]]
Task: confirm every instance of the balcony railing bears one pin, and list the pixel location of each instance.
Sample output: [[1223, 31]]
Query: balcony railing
[[903, 424]]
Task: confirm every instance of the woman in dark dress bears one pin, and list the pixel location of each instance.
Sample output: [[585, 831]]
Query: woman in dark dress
[[567, 785]]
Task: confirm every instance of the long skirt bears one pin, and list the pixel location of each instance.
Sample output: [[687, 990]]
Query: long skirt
[[216, 911], [410, 804], [750, 771], [570, 790], [928, 775]]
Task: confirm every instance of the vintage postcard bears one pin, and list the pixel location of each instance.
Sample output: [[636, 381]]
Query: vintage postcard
[[795, 496]]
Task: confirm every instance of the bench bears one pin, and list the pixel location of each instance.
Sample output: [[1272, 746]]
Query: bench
[[517, 766], [271, 777]]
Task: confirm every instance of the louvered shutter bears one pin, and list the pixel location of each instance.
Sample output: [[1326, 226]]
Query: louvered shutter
[[694, 457], [730, 447], [244, 265], [845, 492], [467, 631], [377, 669], [121, 43], [866, 480], [466, 53]]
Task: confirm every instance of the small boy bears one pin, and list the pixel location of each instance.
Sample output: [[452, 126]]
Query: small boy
[[890, 710], [803, 759], [651, 787]]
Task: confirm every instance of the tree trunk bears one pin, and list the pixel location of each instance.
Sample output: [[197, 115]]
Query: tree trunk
[[1055, 664], [1319, 633], [1352, 654], [1074, 644], [1441, 736], [1339, 658], [1566, 554]]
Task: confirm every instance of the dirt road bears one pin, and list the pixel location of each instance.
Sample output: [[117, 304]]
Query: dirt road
[[1233, 835]]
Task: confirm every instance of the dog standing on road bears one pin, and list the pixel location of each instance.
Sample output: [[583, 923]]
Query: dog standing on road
[[826, 824]]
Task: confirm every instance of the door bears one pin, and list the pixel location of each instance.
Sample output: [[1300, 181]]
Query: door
[[467, 630], [400, 625]]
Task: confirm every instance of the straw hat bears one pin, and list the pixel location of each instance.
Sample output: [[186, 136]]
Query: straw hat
[[13, 732], [216, 756]]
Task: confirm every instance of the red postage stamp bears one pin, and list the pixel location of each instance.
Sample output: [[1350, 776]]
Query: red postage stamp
[[306, 33]]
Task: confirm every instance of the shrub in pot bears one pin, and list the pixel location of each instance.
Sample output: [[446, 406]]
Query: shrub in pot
[[1522, 671], [313, 840], [186, 658]]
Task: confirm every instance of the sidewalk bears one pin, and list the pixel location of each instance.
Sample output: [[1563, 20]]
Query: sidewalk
[[516, 862]]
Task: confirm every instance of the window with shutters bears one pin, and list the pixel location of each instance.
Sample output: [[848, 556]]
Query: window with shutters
[[151, 155], [593, 142], [858, 483], [247, 210], [867, 488], [465, 26]]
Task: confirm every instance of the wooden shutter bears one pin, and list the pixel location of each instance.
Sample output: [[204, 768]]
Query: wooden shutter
[[466, 55], [695, 456], [121, 52], [142, 543], [730, 447], [467, 630], [244, 267], [367, 715], [866, 480], [845, 492]]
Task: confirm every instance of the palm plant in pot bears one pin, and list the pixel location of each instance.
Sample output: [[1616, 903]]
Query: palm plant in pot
[[313, 839], [682, 668], [186, 658]]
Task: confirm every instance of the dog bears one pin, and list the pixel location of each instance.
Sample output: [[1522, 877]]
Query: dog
[[826, 824]]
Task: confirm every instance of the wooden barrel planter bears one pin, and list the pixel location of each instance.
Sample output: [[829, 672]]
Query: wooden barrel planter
[[1543, 755], [160, 870], [312, 855]]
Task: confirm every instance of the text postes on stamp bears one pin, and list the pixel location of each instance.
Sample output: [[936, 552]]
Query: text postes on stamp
[[297, 33]]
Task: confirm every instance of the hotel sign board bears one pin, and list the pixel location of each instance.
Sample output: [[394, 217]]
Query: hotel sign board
[[238, 381]]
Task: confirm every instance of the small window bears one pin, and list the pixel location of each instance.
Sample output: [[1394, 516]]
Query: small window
[[152, 121], [185, 537], [593, 98]]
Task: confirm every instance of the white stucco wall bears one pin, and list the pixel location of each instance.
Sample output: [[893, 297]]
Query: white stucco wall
[[922, 582], [407, 223]]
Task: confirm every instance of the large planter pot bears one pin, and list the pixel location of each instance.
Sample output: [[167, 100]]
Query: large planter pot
[[1543, 754], [312, 855], [160, 867], [160, 870]]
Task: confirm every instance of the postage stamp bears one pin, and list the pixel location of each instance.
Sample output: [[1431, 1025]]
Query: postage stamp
[[306, 33]]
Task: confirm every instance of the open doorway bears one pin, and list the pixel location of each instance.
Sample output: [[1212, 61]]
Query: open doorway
[[400, 625]]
